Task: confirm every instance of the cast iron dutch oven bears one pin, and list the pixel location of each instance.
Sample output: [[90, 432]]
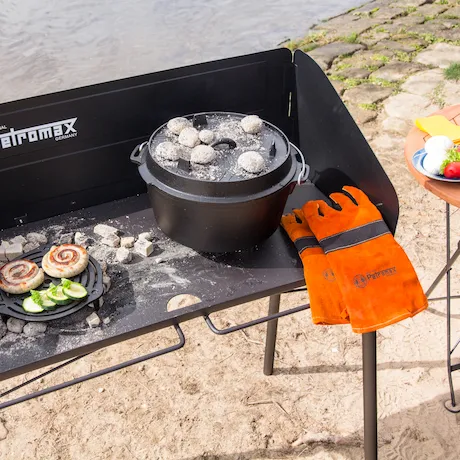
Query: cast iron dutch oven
[[229, 213]]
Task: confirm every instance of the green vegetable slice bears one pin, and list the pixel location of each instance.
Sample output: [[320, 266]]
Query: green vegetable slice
[[66, 283], [56, 294], [73, 290], [45, 301], [30, 306], [36, 297]]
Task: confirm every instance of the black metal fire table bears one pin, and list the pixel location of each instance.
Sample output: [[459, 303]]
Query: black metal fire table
[[91, 132]]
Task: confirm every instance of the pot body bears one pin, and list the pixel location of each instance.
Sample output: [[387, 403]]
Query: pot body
[[218, 226]]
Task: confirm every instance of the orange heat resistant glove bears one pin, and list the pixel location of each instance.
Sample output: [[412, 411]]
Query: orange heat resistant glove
[[377, 280], [326, 302]]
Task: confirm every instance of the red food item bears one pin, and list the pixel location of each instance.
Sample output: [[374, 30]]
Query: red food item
[[452, 170]]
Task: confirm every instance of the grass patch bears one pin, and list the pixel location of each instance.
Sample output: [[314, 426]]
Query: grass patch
[[348, 82], [403, 56], [452, 72], [443, 2], [381, 58], [429, 38], [342, 66], [353, 82], [372, 68], [410, 9], [352, 38], [309, 47], [373, 106], [380, 29], [366, 13], [307, 43], [383, 82], [437, 96], [428, 18], [450, 16], [336, 77]]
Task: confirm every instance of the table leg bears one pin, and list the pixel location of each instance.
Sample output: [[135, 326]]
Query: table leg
[[370, 395], [450, 260], [450, 405], [272, 327]]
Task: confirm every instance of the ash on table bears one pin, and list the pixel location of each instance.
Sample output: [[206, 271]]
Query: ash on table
[[111, 247]]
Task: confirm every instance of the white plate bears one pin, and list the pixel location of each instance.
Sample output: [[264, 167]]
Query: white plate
[[417, 161]]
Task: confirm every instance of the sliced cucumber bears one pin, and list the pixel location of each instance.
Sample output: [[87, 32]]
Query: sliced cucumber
[[75, 291], [30, 306], [56, 295]]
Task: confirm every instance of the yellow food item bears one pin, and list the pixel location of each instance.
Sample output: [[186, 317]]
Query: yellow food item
[[437, 125]]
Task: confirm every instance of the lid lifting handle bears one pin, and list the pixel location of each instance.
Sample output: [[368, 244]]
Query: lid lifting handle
[[200, 120], [224, 140], [184, 165], [272, 152]]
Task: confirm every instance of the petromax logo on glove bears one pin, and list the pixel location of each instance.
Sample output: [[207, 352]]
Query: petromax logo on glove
[[361, 281], [329, 275], [58, 130]]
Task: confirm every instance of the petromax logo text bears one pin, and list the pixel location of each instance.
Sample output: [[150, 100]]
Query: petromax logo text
[[361, 281], [58, 130]]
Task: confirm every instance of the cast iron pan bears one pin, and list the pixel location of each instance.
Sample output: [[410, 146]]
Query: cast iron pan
[[90, 278]]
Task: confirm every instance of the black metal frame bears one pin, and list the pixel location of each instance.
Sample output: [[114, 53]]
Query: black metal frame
[[451, 404], [87, 377], [271, 338]]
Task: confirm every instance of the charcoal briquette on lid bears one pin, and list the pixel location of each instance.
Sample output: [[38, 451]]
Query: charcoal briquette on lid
[[219, 146], [176, 125]]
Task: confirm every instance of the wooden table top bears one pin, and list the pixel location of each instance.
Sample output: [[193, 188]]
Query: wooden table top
[[447, 191]]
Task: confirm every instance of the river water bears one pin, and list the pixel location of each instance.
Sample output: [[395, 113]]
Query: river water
[[51, 45]]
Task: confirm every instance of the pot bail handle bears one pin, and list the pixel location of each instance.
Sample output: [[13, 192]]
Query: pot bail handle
[[138, 154], [224, 140], [305, 169]]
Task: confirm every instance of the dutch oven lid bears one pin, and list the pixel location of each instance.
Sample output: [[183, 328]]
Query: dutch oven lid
[[230, 139]]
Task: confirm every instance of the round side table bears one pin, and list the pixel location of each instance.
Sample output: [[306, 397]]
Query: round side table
[[450, 193]]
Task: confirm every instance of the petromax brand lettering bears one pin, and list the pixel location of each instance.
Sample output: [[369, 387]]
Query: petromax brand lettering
[[361, 281], [58, 131], [387, 272]]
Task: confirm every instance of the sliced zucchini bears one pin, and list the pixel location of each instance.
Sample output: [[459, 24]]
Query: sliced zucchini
[[75, 291], [46, 302], [56, 295], [30, 306]]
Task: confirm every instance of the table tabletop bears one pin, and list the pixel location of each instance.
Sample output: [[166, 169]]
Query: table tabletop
[[447, 191], [137, 301]]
